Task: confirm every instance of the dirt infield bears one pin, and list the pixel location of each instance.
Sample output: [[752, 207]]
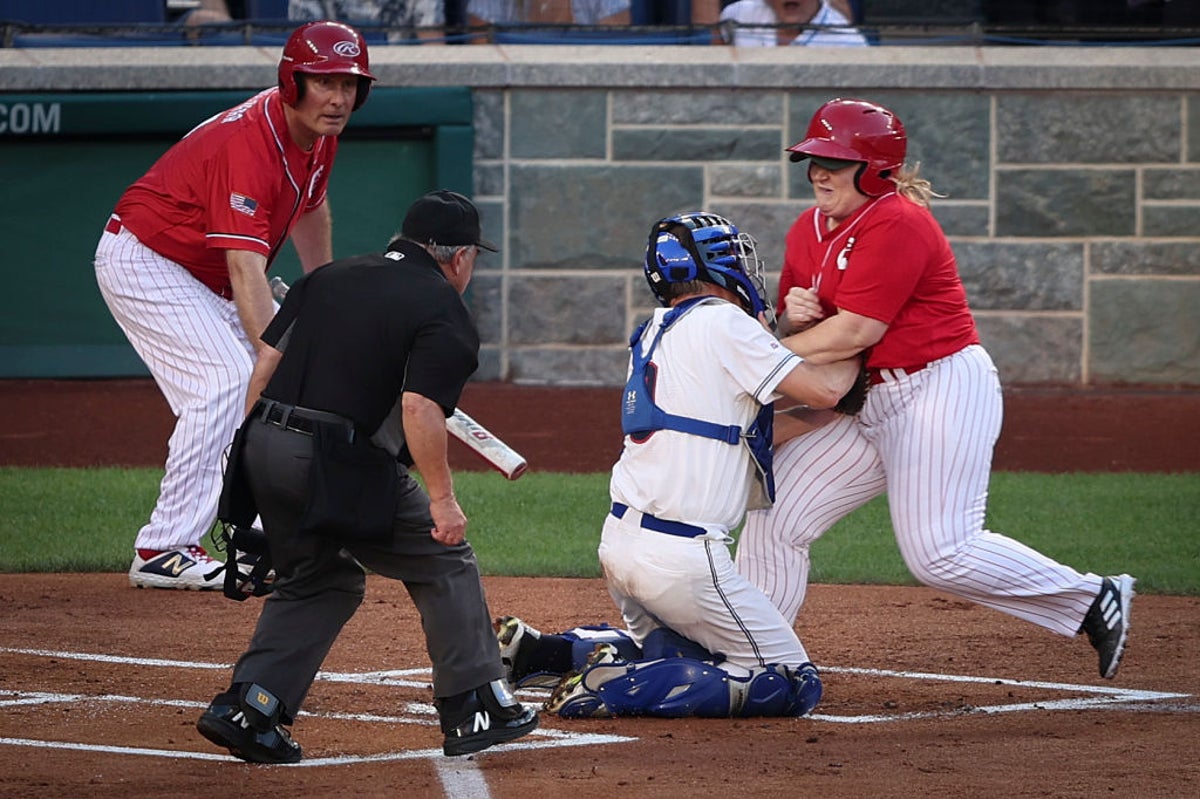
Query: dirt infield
[[906, 724], [100, 684]]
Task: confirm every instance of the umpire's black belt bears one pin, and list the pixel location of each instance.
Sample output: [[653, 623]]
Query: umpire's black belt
[[302, 420], [658, 525]]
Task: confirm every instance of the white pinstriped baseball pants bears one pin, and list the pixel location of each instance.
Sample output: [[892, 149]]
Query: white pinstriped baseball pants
[[927, 440], [193, 344]]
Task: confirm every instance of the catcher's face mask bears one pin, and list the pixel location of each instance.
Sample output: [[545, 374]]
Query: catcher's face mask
[[702, 246]]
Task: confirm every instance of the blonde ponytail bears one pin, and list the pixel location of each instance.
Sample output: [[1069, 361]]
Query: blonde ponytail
[[911, 186]]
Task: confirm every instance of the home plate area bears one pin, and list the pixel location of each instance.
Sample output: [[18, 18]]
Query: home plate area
[[75, 710], [85, 722]]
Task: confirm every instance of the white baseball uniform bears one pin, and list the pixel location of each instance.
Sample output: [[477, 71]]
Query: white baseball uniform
[[831, 29], [236, 182], [718, 364], [925, 435]]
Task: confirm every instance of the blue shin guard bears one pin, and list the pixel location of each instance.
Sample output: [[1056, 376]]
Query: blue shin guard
[[778, 691], [678, 687], [669, 688]]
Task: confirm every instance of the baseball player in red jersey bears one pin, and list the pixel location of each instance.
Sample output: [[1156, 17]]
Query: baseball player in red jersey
[[869, 269], [182, 266]]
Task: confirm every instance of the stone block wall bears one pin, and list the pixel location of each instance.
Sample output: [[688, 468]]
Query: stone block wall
[[1074, 213], [1071, 179]]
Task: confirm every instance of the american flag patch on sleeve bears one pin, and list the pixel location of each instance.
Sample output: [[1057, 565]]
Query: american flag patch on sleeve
[[243, 204]]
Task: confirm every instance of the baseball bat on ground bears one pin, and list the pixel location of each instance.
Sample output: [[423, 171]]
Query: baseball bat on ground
[[481, 441]]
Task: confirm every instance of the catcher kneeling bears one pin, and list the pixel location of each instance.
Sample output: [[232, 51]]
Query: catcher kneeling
[[607, 674], [698, 418]]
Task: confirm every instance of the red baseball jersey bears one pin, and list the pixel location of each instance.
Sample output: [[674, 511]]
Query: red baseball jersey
[[889, 261], [237, 181]]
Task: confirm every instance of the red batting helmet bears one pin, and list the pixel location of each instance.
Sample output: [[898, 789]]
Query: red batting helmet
[[857, 130], [324, 48]]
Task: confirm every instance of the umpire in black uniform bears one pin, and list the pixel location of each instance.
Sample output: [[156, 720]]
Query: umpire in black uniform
[[362, 364]]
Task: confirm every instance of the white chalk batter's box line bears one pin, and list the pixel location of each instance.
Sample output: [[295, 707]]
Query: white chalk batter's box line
[[420, 713], [424, 714]]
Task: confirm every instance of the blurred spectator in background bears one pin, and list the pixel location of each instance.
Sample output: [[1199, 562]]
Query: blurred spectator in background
[[600, 12], [578, 12], [785, 22], [200, 12], [847, 8], [706, 12], [408, 19], [501, 12]]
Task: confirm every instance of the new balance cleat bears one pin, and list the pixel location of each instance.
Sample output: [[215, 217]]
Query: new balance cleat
[[487, 716], [1107, 622], [190, 568]]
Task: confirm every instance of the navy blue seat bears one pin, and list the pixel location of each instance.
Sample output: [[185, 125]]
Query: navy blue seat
[[660, 12], [82, 12]]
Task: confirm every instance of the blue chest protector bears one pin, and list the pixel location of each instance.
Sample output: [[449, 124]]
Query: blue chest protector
[[640, 416]]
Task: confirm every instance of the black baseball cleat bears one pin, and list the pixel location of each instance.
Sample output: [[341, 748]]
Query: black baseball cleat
[[484, 717], [248, 726], [517, 644], [1107, 622]]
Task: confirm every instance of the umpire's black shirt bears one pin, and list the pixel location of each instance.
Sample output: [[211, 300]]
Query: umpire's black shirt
[[356, 332]]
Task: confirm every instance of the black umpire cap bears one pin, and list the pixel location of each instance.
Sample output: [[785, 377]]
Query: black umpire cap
[[444, 217]]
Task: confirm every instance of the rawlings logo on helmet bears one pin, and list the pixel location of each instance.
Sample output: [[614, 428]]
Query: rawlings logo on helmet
[[322, 48]]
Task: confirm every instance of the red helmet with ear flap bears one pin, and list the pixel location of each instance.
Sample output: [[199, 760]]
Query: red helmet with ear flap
[[324, 48], [857, 130]]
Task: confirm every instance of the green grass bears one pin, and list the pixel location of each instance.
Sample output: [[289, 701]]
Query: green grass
[[1143, 524], [549, 524]]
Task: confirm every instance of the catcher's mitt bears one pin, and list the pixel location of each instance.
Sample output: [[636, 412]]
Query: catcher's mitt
[[854, 399]]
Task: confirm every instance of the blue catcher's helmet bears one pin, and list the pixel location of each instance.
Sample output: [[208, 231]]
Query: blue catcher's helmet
[[703, 246]]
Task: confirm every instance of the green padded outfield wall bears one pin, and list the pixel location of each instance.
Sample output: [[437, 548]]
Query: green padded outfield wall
[[66, 158]]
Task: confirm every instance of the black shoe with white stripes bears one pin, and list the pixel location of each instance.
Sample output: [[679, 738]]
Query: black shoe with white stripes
[[1107, 622], [484, 717], [246, 720]]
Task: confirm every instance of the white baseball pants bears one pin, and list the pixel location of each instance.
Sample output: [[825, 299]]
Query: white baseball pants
[[692, 586], [927, 440], [193, 344]]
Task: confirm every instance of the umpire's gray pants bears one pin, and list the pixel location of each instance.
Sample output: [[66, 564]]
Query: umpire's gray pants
[[319, 583]]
